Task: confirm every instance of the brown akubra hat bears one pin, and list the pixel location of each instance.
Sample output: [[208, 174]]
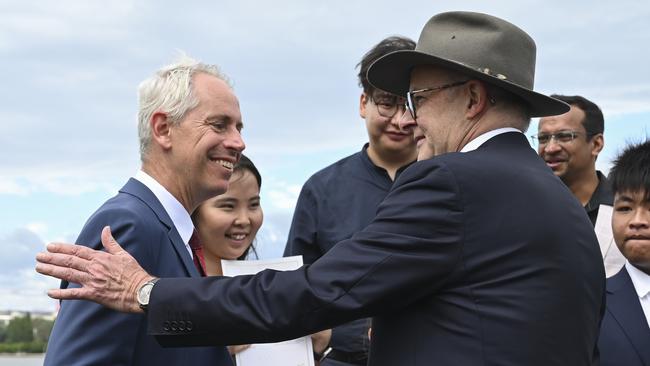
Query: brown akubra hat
[[478, 45]]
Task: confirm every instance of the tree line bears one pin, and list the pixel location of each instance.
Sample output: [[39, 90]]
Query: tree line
[[24, 334]]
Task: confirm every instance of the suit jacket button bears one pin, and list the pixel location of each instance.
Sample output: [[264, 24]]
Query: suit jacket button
[[181, 325], [174, 326], [189, 326], [166, 326]]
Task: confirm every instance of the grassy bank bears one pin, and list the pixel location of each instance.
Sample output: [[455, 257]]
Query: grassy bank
[[23, 347]]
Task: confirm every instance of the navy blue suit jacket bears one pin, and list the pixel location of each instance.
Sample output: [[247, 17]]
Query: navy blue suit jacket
[[478, 258], [624, 335], [89, 334]]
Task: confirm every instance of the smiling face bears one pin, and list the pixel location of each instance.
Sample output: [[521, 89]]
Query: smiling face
[[572, 160], [631, 227], [207, 142], [228, 223], [440, 113], [384, 134]]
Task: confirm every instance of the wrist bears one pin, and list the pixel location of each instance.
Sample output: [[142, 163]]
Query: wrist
[[139, 295]]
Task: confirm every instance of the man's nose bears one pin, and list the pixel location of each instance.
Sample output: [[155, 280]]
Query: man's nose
[[397, 116], [552, 145], [640, 219], [405, 121], [234, 141]]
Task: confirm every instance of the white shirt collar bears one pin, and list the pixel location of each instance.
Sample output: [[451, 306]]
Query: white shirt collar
[[640, 279], [180, 217], [481, 139]]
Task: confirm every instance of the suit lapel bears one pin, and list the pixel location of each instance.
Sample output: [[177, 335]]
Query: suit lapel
[[139, 190], [623, 304]]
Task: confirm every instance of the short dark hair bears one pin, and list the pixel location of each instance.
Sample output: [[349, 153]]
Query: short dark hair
[[384, 47], [594, 123], [631, 169]]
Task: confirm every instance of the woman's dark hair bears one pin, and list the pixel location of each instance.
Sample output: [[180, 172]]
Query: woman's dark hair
[[245, 164]]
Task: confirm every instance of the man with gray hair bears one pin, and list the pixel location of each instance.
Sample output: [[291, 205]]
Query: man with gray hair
[[478, 255], [189, 130]]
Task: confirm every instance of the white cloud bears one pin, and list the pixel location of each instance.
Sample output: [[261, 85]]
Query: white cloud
[[25, 289], [74, 177], [9, 186], [21, 288], [64, 21], [272, 236], [18, 249], [38, 228], [281, 195]]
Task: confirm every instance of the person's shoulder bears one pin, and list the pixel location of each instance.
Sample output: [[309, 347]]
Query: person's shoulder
[[433, 168], [125, 206], [618, 281], [447, 160], [497, 156], [603, 194], [134, 224], [124, 210]]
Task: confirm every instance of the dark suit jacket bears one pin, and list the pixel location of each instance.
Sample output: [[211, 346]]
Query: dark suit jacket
[[477, 258], [624, 335], [88, 334]]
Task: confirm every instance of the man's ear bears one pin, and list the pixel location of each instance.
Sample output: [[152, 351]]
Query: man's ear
[[598, 142], [161, 130], [478, 98], [363, 100]]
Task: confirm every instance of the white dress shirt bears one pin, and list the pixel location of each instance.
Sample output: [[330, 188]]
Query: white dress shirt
[[180, 217], [481, 139], [641, 282]]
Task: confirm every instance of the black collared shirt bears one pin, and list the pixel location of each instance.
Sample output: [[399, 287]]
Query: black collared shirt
[[603, 195], [334, 204]]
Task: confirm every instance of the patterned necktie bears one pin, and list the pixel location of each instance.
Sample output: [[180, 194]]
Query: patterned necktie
[[197, 253]]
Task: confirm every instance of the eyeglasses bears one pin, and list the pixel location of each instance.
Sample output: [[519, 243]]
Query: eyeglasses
[[413, 102], [388, 104], [562, 137]]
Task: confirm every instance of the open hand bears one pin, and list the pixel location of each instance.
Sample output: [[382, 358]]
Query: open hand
[[110, 278]]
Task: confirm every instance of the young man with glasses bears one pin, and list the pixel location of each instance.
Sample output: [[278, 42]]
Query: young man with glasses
[[570, 144], [342, 198]]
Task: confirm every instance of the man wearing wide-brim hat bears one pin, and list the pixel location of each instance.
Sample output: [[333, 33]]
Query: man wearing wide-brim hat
[[478, 256]]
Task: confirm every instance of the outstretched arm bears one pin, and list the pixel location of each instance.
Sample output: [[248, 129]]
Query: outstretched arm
[[110, 278]]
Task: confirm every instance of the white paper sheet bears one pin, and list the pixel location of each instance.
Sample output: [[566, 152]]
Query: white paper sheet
[[297, 352], [603, 228], [612, 256]]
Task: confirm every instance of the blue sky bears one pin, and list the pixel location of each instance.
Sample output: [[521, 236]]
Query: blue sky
[[71, 68]]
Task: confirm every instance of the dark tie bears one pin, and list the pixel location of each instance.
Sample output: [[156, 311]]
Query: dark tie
[[197, 252]]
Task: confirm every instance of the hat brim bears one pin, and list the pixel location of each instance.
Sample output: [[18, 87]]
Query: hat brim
[[392, 73]]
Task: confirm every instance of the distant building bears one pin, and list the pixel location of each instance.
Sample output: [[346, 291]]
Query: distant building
[[7, 315]]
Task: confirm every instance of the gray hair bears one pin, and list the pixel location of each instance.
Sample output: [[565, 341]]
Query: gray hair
[[169, 91], [512, 104]]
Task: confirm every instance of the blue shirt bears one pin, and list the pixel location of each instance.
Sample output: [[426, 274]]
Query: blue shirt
[[335, 203]]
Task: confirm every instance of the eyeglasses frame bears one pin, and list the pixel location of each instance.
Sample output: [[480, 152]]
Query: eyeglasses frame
[[410, 105], [397, 105], [554, 136]]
